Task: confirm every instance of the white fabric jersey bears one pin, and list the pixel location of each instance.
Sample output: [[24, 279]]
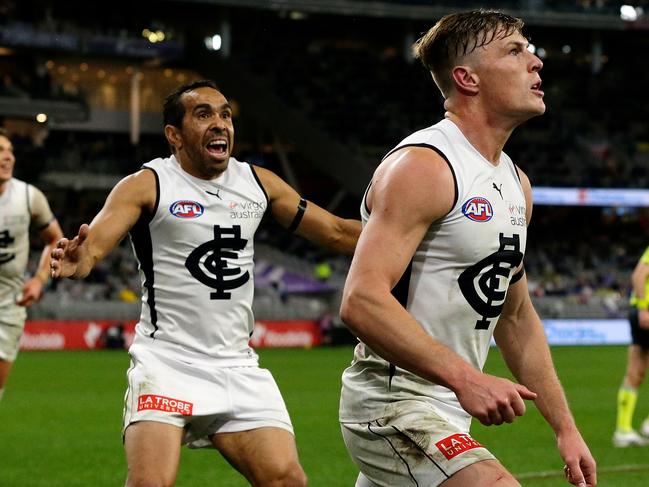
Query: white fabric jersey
[[457, 280], [20, 203], [195, 258]]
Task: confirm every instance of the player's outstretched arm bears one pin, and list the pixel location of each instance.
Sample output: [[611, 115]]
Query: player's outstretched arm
[[410, 190], [315, 223], [132, 196]]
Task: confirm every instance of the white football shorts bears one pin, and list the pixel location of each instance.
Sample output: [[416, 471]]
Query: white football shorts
[[413, 445], [203, 399], [11, 329]]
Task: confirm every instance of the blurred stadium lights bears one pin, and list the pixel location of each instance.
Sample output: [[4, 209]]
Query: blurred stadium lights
[[539, 51], [220, 41], [213, 43], [297, 15], [629, 13], [153, 36]]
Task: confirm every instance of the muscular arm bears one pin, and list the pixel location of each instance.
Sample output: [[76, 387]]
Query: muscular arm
[[317, 225], [411, 190], [131, 196], [521, 339]]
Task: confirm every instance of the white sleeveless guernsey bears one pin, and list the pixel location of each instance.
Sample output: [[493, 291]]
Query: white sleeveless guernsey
[[195, 256], [457, 280], [21, 204]]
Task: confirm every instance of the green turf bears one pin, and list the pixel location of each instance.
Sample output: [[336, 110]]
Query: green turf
[[61, 421]]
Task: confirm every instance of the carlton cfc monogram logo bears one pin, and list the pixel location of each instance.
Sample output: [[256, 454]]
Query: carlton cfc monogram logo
[[5, 240], [478, 209], [484, 284], [208, 265]]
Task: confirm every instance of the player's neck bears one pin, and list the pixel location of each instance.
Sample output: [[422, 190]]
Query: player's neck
[[486, 135]]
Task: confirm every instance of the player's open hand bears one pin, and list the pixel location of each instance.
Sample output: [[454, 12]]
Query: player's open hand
[[68, 254], [493, 400]]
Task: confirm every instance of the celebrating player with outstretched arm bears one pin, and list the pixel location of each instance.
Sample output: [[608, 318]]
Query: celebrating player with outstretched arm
[[192, 218]]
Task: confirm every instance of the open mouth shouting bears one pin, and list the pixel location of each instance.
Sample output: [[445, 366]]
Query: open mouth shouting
[[218, 147]]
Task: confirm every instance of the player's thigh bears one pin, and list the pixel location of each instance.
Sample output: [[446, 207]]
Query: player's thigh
[[265, 456], [5, 368], [152, 453], [10, 333], [489, 473]]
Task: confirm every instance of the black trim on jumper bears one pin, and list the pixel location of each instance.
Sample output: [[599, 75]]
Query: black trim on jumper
[[365, 198], [143, 247], [517, 277], [256, 176], [441, 154], [518, 175], [400, 292], [29, 206]]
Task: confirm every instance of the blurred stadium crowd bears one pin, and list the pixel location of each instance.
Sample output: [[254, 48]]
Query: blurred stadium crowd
[[320, 94]]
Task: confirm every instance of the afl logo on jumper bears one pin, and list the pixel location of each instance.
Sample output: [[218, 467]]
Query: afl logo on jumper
[[186, 209], [478, 209]]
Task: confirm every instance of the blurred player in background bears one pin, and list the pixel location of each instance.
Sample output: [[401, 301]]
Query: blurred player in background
[[637, 360], [438, 265], [21, 206], [192, 218]]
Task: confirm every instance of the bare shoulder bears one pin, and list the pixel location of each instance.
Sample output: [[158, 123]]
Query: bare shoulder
[[418, 176], [271, 182], [139, 188]]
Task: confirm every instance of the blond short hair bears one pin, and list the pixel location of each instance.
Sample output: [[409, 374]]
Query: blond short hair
[[457, 35]]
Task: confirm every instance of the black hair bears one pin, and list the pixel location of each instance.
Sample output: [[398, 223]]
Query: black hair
[[173, 110]]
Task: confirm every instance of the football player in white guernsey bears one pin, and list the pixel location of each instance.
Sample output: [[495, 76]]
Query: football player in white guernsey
[[192, 218], [21, 206], [438, 270]]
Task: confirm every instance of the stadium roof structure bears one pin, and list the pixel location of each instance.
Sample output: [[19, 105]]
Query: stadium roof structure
[[534, 12]]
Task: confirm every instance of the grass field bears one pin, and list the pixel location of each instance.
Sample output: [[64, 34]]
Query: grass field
[[60, 421]]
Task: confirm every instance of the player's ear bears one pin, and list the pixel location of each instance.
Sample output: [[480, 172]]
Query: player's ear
[[173, 136], [466, 80]]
